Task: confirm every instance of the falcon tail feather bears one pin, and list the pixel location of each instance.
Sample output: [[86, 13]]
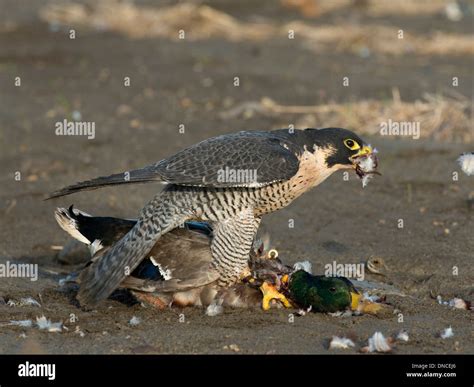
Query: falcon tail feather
[[143, 175]]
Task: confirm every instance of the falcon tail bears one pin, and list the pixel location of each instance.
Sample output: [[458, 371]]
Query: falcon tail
[[143, 175]]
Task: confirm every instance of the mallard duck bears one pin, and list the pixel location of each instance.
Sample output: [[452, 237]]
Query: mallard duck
[[186, 249]]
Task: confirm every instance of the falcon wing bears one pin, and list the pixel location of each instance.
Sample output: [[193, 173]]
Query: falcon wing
[[244, 159]]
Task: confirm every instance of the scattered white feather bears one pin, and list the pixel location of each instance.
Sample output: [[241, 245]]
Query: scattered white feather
[[341, 343], [457, 303], [344, 313], [134, 321], [214, 309], [378, 343], [19, 323], [78, 331], [304, 312], [453, 11], [29, 301], [403, 336], [371, 298], [303, 265], [466, 161], [447, 333], [44, 324], [26, 301], [365, 180]]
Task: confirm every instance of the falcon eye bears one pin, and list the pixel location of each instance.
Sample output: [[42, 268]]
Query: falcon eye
[[351, 144]]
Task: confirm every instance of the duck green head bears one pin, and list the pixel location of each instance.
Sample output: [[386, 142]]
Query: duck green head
[[323, 294]]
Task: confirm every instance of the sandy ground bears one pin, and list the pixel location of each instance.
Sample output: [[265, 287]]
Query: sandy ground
[[136, 125]]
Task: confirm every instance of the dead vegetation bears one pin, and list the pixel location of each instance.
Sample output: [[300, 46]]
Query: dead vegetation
[[443, 118], [200, 22], [316, 8], [365, 39]]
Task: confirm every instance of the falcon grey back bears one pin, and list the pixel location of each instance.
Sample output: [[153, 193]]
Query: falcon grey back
[[230, 181]]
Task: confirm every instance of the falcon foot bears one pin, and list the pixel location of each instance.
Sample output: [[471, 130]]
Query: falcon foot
[[271, 293]]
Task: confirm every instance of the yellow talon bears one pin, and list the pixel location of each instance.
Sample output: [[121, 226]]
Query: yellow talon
[[271, 293]]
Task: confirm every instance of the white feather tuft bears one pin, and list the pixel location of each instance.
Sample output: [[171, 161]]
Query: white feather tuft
[[466, 161], [340, 343], [367, 164], [447, 333], [378, 343], [20, 323], [44, 324], [27, 301], [214, 309], [403, 336], [134, 321]]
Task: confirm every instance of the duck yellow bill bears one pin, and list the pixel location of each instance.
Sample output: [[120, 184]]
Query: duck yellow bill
[[355, 299]]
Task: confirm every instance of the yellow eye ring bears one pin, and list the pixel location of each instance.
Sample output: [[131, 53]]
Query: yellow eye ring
[[351, 144]]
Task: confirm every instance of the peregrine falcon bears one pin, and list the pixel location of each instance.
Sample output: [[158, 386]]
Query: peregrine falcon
[[230, 181]]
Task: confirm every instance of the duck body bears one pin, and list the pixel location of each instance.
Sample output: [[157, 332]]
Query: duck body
[[186, 250]]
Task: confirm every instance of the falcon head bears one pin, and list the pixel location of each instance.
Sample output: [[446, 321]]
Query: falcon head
[[347, 151]]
